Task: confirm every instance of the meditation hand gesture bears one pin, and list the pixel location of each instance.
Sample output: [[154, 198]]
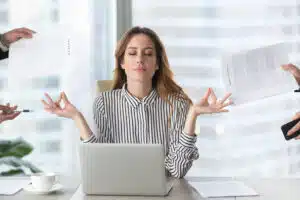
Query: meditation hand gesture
[[54, 107], [214, 106]]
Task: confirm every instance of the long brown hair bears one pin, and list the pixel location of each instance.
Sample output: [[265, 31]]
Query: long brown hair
[[162, 80]]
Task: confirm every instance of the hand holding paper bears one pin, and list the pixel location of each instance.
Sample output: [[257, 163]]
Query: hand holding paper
[[255, 74], [295, 71]]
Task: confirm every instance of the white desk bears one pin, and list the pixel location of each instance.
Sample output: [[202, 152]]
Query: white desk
[[269, 189]]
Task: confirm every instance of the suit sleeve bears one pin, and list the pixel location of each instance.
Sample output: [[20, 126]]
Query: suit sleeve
[[3, 55]]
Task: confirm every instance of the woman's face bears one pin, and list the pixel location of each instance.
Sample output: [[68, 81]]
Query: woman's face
[[139, 60]]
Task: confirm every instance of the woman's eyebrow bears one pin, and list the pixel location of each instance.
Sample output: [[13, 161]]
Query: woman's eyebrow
[[143, 48]]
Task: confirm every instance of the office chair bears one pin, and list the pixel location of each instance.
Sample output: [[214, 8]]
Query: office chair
[[103, 85]]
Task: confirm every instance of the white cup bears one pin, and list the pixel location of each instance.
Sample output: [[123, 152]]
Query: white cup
[[43, 181]]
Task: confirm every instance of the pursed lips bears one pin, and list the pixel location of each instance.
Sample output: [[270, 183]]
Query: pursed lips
[[140, 68]]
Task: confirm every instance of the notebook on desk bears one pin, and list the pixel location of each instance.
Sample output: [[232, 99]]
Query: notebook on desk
[[123, 169], [211, 189]]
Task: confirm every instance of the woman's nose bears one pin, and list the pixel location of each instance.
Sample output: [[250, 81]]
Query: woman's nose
[[140, 59]]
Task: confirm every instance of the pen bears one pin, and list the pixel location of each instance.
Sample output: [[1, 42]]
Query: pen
[[24, 110]]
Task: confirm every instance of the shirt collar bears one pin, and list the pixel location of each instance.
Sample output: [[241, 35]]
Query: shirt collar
[[135, 102]]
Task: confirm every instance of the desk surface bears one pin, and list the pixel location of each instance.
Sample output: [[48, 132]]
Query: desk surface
[[269, 189]]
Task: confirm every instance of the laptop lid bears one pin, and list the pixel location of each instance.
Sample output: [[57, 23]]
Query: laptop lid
[[123, 169]]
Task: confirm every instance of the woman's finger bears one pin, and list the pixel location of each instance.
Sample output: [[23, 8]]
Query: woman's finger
[[213, 96], [230, 102], [45, 103], [225, 98], [60, 98], [207, 94], [65, 98], [50, 101], [57, 103]]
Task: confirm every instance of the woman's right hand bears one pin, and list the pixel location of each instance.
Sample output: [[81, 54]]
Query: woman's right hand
[[54, 107]]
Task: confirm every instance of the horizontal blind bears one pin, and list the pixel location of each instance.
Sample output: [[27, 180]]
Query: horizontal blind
[[248, 140]]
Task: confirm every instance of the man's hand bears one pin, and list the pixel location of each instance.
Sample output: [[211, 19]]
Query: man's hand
[[15, 35], [8, 113], [296, 127], [294, 70]]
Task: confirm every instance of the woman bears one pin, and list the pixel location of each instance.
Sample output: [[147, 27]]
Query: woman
[[145, 105]]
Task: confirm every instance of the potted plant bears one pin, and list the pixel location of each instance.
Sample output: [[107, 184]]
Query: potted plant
[[11, 154]]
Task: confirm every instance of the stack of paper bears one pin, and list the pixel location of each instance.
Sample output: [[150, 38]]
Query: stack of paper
[[255, 74]]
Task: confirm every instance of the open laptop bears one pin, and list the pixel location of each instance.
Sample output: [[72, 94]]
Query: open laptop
[[123, 169]]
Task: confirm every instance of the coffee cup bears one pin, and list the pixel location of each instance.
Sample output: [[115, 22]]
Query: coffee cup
[[43, 181]]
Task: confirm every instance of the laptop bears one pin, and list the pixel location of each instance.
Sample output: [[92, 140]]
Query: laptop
[[123, 169]]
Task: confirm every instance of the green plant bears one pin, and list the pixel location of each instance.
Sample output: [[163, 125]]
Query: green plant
[[11, 154]]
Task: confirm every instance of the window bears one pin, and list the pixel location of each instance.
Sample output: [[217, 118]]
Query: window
[[50, 82], [55, 139], [248, 140], [3, 17], [3, 83], [49, 126], [51, 146], [55, 15]]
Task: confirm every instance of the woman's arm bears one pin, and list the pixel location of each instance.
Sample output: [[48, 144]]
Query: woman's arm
[[81, 124], [71, 112], [182, 149], [101, 121], [205, 107]]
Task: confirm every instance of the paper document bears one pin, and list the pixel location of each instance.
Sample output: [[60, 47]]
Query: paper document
[[10, 186], [222, 189], [256, 74], [45, 55]]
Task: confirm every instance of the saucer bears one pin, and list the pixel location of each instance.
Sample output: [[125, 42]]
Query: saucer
[[55, 188]]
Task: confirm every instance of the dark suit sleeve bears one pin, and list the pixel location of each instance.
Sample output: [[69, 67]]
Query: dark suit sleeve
[[3, 55]]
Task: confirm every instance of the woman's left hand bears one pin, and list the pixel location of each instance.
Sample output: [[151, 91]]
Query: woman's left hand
[[215, 106]]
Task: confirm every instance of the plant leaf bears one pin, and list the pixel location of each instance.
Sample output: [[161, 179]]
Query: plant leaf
[[12, 172], [17, 148]]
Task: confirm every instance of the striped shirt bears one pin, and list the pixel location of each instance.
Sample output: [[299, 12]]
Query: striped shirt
[[122, 118]]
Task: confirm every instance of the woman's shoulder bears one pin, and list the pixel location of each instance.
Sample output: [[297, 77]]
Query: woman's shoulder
[[105, 99], [179, 101], [108, 96]]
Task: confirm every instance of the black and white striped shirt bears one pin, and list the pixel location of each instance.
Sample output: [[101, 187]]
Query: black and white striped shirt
[[122, 118]]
